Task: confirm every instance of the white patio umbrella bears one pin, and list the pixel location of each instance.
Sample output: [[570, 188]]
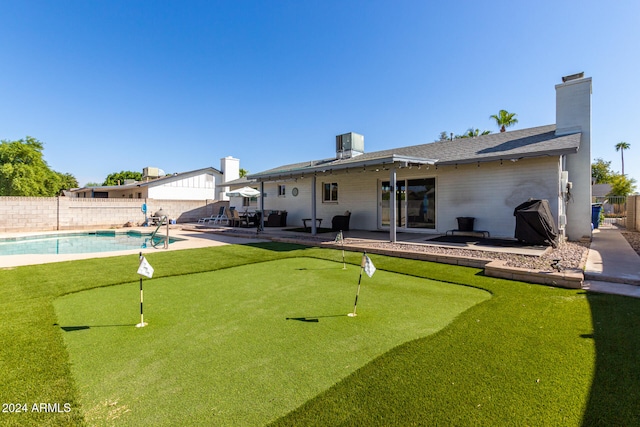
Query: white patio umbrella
[[244, 192]]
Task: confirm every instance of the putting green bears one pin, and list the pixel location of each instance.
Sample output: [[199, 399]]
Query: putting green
[[241, 346]]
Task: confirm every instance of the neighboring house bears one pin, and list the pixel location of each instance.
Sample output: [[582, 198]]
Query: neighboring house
[[424, 188], [600, 192], [201, 184]]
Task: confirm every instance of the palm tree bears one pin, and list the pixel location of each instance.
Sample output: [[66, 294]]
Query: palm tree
[[504, 119], [472, 133], [621, 146]]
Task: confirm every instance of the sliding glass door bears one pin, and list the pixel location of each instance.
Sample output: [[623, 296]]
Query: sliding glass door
[[415, 203]]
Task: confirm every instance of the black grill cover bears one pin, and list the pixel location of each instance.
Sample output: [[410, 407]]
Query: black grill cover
[[535, 224]]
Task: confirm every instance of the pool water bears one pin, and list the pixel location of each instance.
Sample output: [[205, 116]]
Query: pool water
[[78, 243]]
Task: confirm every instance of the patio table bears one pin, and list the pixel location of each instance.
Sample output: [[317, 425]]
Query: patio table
[[305, 220]]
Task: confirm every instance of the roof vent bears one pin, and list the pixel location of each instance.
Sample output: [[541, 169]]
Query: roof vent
[[349, 145], [572, 77]]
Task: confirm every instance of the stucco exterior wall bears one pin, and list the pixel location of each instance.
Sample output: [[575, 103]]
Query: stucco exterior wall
[[20, 214]]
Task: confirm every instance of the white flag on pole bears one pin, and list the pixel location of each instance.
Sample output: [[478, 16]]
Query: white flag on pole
[[145, 268], [369, 268]]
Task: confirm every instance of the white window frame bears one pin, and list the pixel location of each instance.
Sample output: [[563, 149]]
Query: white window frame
[[331, 192]]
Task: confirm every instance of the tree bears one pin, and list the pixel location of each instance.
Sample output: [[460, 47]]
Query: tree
[[621, 146], [622, 186], [472, 133], [444, 136], [601, 171], [23, 171], [92, 184], [243, 172], [67, 181], [504, 119], [117, 178]]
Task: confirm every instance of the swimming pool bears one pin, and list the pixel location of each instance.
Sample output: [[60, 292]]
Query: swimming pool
[[78, 243]]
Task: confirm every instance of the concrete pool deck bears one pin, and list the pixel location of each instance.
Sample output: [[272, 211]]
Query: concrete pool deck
[[192, 240]]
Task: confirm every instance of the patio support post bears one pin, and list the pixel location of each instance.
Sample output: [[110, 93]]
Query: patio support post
[[261, 201], [314, 229], [392, 206]]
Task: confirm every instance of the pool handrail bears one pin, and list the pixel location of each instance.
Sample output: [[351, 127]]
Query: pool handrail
[[162, 220]]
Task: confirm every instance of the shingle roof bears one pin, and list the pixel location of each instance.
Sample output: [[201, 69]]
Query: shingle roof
[[531, 142]]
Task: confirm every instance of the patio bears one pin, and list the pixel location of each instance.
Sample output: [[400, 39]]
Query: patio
[[360, 238]]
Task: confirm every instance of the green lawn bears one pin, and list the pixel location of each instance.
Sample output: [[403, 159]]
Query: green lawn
[[529, 355], [243, 345]]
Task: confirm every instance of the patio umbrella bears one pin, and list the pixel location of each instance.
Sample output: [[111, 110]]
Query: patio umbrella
[[244, 192]]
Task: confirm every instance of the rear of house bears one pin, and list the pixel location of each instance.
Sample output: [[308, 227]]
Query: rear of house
[[484, 177]]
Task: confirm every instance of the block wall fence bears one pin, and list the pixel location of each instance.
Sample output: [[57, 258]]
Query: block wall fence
[[20, 214], [633, 213]]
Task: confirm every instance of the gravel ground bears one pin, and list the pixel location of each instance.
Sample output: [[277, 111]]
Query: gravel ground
[[633, 237], [570, 254]]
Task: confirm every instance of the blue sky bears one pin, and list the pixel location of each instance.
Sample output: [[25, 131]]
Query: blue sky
[[112, 85]]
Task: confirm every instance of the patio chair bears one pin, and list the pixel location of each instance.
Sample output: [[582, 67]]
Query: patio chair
[[207, 219], [341, 222], [220, 217], [255, 219], [234, 218]]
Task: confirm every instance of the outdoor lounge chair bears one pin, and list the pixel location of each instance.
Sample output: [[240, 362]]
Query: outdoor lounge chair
[[214, 218], [221, 216], [207, 219], [341, 222]]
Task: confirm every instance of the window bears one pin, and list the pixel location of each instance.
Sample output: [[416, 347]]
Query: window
[[330, 192], [281, 190]]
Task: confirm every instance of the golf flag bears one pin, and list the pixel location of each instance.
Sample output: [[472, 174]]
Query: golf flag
[[145, 268], [368, 266], [339, 238]]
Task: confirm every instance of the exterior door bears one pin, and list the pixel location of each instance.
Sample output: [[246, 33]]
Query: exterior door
[[415, 203], [385, 200]]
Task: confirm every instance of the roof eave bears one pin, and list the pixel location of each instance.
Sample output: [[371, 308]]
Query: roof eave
[[380, 161], [512, 157]]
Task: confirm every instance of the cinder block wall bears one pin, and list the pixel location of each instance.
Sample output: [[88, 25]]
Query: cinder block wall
[[19, 214], [633, 219], [28, 213]]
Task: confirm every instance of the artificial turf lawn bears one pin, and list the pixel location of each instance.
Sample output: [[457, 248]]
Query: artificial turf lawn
[[245, 345], [530, 355]]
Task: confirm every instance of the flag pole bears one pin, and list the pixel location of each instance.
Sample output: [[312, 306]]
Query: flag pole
[[355, 305], [340, 239], [344, 265], [141, 324]]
